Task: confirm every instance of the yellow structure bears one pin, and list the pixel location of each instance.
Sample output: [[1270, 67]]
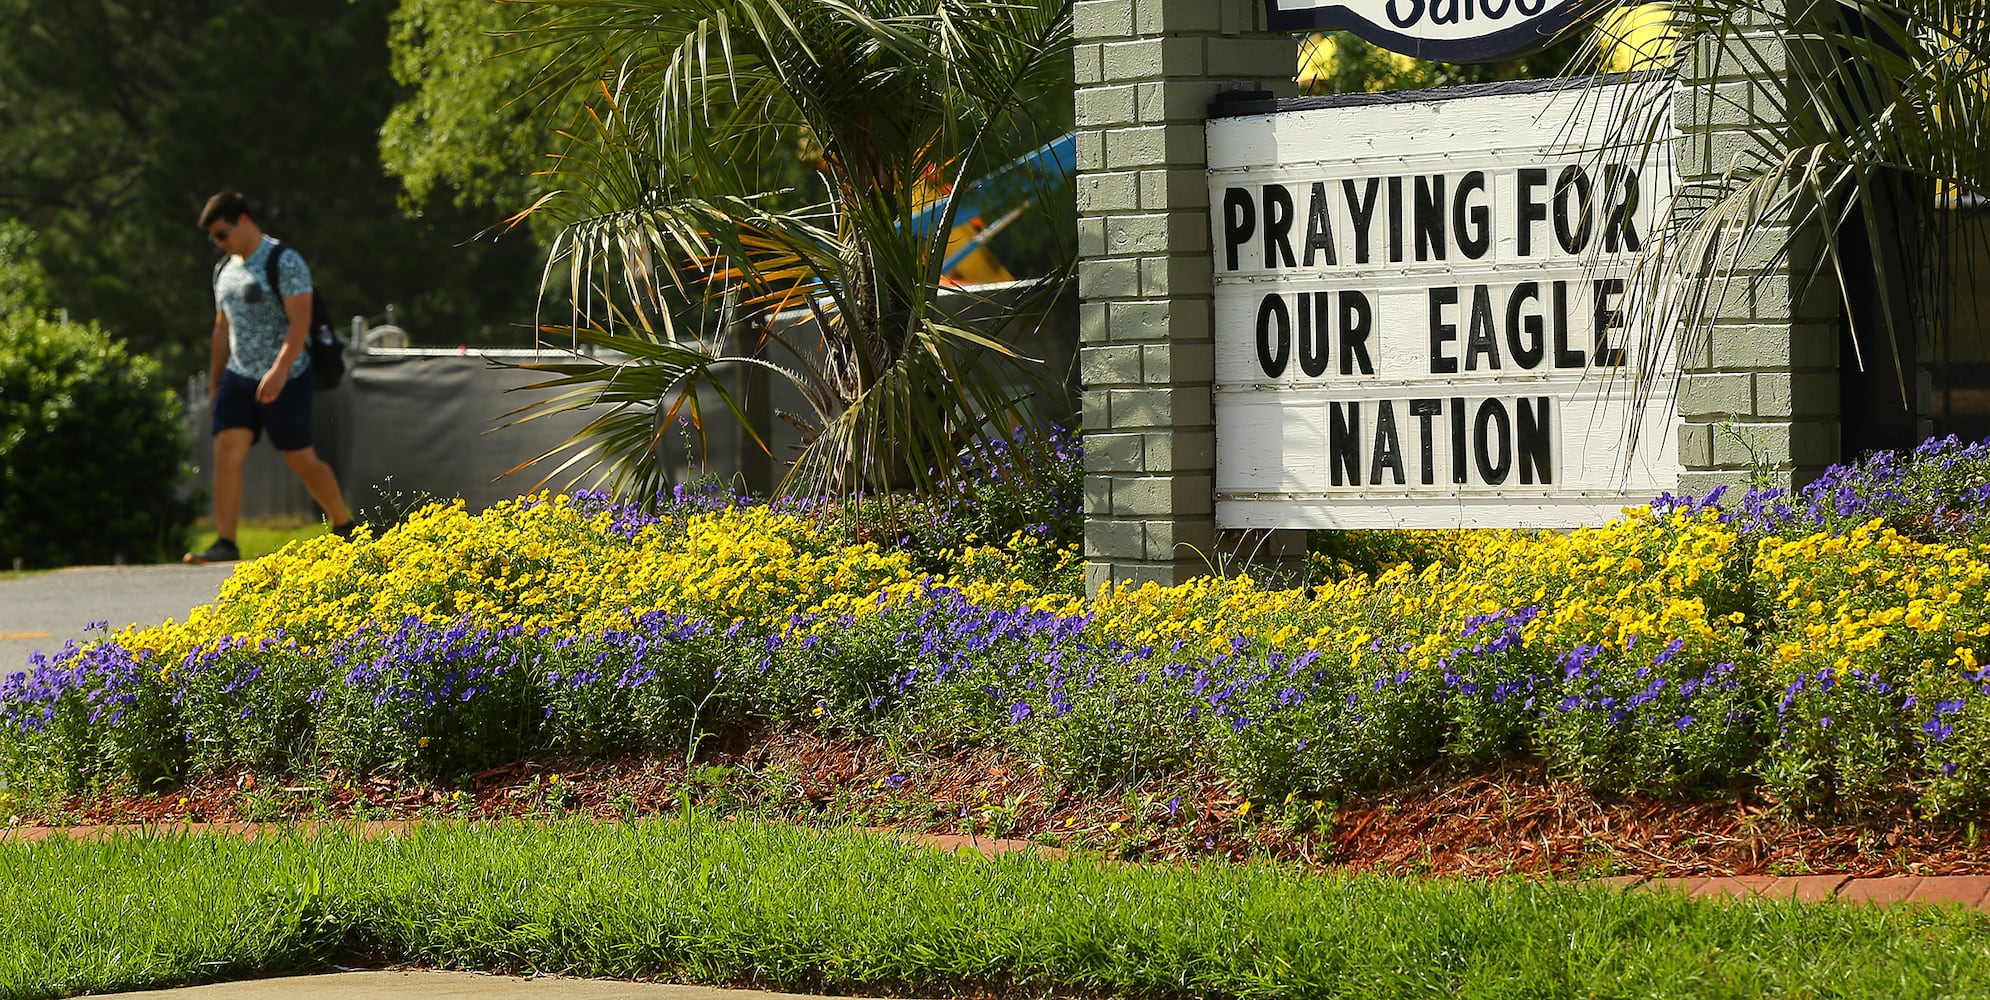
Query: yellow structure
[[1625, 39]]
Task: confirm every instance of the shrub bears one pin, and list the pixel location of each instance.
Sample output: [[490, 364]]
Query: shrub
[[1831, 649], [22, 285], [91, 446], [1015, 494]]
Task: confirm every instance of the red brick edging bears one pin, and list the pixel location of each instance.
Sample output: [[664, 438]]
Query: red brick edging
[[1968, 891]]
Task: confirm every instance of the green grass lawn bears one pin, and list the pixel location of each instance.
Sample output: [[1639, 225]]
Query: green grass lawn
[[774, 906]]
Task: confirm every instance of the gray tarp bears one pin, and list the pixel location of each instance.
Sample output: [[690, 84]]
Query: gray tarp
[[425, 422], [413, 425]]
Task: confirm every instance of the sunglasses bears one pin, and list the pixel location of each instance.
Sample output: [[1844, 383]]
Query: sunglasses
[[222, 236]]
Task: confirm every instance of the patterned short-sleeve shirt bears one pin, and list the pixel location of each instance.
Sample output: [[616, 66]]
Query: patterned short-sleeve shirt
[[257, 323]]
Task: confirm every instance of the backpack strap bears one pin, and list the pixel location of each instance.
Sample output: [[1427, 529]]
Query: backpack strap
[[273, 269]]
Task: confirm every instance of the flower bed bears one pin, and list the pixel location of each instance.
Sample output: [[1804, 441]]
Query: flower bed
[[1827, 642]]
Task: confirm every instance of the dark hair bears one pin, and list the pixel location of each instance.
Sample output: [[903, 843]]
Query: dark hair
[[229, 205]]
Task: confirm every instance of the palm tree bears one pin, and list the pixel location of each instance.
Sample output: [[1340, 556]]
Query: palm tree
[[764, 183], [1862, 123]]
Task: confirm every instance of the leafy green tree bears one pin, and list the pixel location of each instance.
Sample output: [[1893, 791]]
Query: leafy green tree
[[690, 218], [122, 117], [482, 108], [22, 287]]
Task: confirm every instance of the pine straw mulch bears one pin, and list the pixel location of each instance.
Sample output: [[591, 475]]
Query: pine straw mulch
[[1512, 820]]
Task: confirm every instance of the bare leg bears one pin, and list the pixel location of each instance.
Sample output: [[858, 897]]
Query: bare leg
[[321, 481], [231, 447]]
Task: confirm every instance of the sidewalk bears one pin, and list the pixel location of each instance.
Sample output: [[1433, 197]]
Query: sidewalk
[[43, 610]]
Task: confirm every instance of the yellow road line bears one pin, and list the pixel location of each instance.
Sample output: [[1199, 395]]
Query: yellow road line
[[25, 635]]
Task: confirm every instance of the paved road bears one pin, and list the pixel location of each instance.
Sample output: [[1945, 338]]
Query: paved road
[[44, 610], [451, 986]]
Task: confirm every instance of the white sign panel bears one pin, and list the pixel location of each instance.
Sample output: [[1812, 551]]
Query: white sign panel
[[1426, 316]]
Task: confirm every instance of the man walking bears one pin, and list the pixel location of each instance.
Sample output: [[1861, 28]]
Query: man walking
[[257, 376]]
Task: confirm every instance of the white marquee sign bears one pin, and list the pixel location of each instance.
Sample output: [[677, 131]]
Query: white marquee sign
[[1425, 316]]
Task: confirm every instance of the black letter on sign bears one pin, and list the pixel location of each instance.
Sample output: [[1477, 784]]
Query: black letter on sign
[[1608, 318], [1388, 449], [1442, 333], [1564, 357], [1274, 335], [1344, 443], [1575, 179], [1405, 20], [1428, 217], [1530, 211], [1482, 337], [1534, 436], [1423, 410], [1319, 228], [1240, 219], [1277, 225], [1472, 223], [1525, 356], [1363, 212], [1622, 229], [1395, 220], [1357, 318], [1313, 332], [1493, 411], [1458, 439]]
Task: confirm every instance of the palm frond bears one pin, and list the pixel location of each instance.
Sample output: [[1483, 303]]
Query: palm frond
[[1834, 116], [687, 215]]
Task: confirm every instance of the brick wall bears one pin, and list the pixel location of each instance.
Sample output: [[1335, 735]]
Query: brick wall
[[1146, 73]]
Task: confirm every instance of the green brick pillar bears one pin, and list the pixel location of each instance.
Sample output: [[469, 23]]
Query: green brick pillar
[[1147, 71], [1761, 390]]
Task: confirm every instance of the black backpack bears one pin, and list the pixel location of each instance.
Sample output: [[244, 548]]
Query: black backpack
[[321, 339]]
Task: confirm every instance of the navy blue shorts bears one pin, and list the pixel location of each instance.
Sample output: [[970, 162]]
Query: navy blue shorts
[[288, 419]]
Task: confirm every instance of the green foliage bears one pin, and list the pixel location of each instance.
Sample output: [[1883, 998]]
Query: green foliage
[[477, 119], [1336, 554], [1866, 134], [692, 225], [1034, 513], [122, 117], [1339, 63], [748, 904], [91, 446], [22, 286]]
